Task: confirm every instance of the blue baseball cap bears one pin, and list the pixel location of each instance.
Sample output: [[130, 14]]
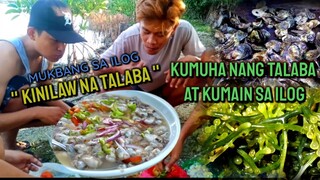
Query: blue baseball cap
[[54, 17]]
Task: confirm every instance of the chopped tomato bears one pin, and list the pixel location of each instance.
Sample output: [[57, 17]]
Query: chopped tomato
[[46, 174], [153, 172], [86, 105], [84, 102], [133, 160], [75, 120], [95, 105], [70, 112], [175, 172], [73, 110], [104, 108], [76, 109], [90, 109], [101, 129]]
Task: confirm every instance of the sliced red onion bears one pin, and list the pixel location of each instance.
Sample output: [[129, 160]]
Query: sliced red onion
[[108, 130], [108, 121], [84, 125], [112, 127], [114, 137], [106, 127]]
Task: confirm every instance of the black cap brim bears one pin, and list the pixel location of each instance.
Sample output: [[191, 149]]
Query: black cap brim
[[68, 37]]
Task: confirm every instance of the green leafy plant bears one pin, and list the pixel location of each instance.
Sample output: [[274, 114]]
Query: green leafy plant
[[126, 7], [20, 6], [254, 140]]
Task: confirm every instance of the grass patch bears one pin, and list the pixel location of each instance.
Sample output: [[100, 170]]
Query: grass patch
[[200, 26]]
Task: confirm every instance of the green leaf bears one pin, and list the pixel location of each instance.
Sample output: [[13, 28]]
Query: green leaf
[[12, 5], [132, 107], [12, 11], [108, 101], [14, 17], [67, 115]]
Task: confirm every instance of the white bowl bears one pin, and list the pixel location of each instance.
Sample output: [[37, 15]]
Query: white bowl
[[169, 114], [58, 171]]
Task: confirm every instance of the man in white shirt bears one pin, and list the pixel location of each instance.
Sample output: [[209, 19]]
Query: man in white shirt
[[159, 37]]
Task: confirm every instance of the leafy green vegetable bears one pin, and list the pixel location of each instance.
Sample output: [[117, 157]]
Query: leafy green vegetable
[[89, 129], [95, 120], [108, 101], [104, 146], [132, 107], [116, 113], [67, 115], [274, 140], [82, 115]]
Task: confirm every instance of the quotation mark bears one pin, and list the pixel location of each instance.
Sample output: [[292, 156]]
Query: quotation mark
[[155, 67], [14, 94]]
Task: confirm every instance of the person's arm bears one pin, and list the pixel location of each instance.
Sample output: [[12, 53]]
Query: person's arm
[[57, 103], [8, 170], [24, 161], [176, 82], [21, 118], [193, 122], [16, 118]]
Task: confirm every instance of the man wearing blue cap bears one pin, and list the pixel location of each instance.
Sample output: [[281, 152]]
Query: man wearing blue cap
[[50, 29]]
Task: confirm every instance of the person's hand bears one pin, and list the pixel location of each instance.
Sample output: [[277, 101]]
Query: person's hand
[[192, 123], [49, 115], [131, 65], [25, 162], [109, 70], [173, 158], [176, 82], [174, 155]]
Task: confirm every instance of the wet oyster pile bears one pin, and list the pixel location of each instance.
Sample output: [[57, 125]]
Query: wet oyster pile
[[275, 34]]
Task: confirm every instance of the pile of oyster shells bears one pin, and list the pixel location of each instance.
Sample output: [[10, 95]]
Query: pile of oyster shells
[[276, 34]]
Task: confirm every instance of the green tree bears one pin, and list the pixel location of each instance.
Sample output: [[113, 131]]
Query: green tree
[[126, 7], [20, 6]]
